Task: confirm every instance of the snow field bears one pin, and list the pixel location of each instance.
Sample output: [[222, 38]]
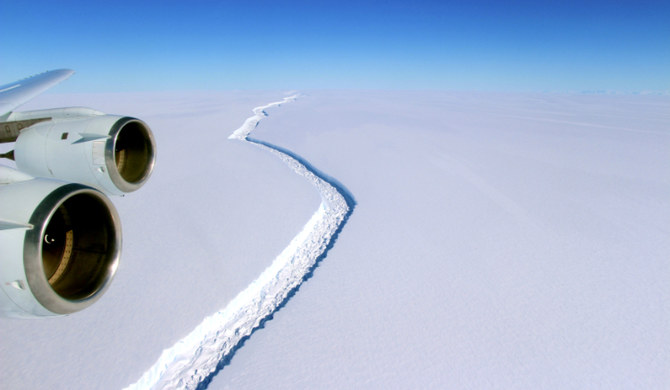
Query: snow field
[[499, 241]]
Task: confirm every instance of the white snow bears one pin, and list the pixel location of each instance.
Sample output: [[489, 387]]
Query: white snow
[[485, 251], [498, 241]]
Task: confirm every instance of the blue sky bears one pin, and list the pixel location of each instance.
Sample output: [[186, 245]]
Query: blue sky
[[455, 45]]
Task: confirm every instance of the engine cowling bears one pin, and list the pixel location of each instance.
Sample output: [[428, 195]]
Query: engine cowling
[[113, 153], [61, 249]]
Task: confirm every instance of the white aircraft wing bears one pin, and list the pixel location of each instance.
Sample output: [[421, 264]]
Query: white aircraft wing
[[15, 94]]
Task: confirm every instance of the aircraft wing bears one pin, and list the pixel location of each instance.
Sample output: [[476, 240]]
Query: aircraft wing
[[15, 94]]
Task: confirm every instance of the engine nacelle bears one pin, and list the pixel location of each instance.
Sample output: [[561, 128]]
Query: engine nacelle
[[113, 153], [60, 248]]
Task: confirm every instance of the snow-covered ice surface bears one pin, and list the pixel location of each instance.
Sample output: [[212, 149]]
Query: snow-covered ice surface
[[499, 241]]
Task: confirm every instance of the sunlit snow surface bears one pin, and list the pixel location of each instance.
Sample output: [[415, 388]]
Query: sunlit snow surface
[[499, 241]]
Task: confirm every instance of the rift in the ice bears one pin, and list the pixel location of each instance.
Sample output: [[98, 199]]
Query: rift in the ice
[[348, 197], [351, 203], [196, 359]]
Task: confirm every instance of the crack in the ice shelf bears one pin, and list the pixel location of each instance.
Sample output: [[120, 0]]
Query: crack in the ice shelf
[[196, 359], [351, 203]]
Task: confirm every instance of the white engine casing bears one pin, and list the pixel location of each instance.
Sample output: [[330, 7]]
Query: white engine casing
[[115, 154]]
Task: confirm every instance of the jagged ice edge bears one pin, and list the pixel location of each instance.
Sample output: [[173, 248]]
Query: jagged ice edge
[[193, 358]]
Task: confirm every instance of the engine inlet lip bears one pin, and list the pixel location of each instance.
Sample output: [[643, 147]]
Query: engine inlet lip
[[34, 268], [110, 158]]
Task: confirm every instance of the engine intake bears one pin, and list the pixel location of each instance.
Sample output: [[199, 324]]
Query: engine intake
[[130, 154], [75, 244], [70, 254]]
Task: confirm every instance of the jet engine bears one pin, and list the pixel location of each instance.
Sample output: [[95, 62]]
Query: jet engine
[[60, 243], [60, 235], [113, 153]]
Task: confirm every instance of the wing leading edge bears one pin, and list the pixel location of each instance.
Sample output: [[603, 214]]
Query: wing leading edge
[[19, 92]]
